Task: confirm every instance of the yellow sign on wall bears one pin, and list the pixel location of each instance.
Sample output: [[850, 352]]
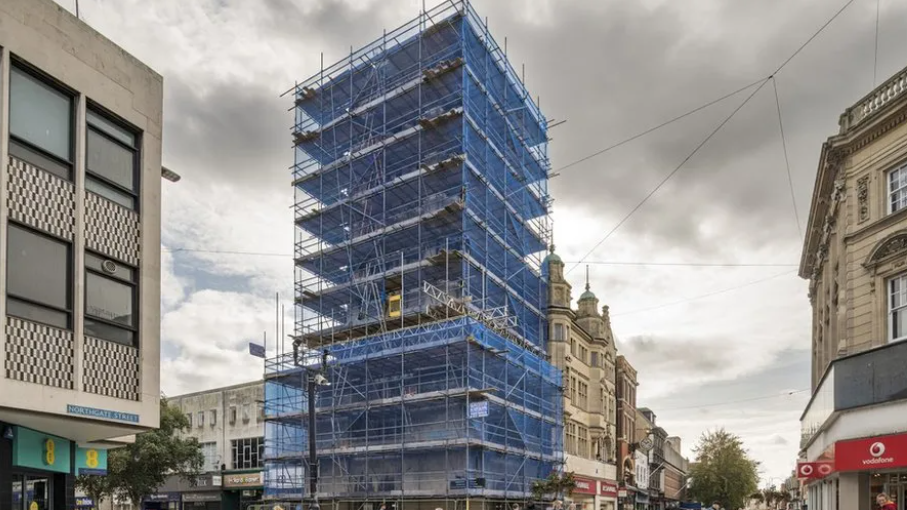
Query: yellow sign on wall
[[50, 456]]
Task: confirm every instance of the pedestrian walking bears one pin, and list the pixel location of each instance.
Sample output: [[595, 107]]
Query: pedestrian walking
[[885, 502]]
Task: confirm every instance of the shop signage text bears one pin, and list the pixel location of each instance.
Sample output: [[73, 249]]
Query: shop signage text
[[164, 496], [103, 414], [243, 480], [608, 488], [585, 486], [84, 502], [881, 452], [194, 497]]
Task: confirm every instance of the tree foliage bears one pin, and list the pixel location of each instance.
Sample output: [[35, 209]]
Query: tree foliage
[[723, 471], [138, 469], [98, 488], [775, 499], [555, 484]]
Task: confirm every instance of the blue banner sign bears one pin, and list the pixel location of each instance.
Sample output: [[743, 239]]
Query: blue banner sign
[[103, 414]]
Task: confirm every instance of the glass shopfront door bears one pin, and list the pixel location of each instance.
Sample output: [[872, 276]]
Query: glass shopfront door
[[31, 492], [892, 484]]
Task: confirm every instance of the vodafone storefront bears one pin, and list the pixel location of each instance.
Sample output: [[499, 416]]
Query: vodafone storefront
[[854, 432], [849, 474]]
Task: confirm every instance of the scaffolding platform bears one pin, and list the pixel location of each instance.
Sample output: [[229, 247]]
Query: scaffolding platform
[[449, 393], [422, 218]]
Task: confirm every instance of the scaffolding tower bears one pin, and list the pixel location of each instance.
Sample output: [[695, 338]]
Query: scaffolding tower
[[422, 215]]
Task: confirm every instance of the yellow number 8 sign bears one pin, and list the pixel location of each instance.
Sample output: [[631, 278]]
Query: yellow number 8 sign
[[91, 458], [49, 452]]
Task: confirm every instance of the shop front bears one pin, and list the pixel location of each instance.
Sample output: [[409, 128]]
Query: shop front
[[626, 497], [242, 489], [584, 494], [162, 501], [199, 493], [608, 492], [642, 500], [201, 500], [593, 494], [850, 474], [34, 468]]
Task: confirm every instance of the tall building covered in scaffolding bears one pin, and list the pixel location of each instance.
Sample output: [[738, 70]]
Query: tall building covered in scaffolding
[[420, 176]]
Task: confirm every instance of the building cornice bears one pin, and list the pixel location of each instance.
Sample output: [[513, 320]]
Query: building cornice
[[829, 187]]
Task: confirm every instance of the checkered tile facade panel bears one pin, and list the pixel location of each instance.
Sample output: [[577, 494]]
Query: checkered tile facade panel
[[110, 369], [39, 354], [40, 199], [112, 229]]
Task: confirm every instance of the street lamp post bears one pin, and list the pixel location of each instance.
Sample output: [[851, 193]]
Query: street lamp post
[[315, 379]]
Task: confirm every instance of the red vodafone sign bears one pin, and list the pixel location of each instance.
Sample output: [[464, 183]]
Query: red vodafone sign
[[814, 470], [880, 452]]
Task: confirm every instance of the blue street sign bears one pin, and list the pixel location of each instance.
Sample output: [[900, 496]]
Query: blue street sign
[[256, 350]]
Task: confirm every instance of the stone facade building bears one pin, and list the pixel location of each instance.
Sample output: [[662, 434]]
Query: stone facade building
[[855, 258], [581, 344], [675, 472], [854, 251], [626, 419]]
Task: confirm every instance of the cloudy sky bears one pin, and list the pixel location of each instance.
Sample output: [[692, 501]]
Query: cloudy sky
[[714, 346]]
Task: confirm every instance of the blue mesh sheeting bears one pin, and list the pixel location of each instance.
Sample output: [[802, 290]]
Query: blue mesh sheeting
[[420, 176]]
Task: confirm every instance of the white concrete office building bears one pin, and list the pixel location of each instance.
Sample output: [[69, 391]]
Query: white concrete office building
[[80, 194]]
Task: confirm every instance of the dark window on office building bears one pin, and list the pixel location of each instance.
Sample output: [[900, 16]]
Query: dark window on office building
[[111, 298], [40, 122], [112, 160], [39, 277]]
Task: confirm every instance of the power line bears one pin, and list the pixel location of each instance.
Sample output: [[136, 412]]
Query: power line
[[670, 175], [762, 83], [804, 45], [656, 128], [703, 296], [710, 103], [740, 401], [593, 262], [229, 252], [790, 179], [682, 264]]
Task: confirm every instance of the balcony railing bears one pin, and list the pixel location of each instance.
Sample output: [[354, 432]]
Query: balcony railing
[[871, 377], [878, 99]]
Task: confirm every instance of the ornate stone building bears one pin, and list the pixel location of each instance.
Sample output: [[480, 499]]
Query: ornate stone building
[[581, 344], [855, 258], [855, 249]]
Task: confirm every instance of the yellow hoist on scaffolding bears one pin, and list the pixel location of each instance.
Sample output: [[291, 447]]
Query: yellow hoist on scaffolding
[[394, 304]]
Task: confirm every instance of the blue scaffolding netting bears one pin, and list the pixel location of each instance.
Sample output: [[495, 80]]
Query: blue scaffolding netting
[[421, 220]]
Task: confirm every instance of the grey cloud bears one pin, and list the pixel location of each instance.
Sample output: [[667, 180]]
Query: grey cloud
[[630, 68], [611, 69], [228, 134], [663, 356], [780, 441]]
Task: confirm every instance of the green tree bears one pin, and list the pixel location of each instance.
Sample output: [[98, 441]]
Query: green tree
[[97, 487], [553, 486], [723, 470], [138, 469]]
